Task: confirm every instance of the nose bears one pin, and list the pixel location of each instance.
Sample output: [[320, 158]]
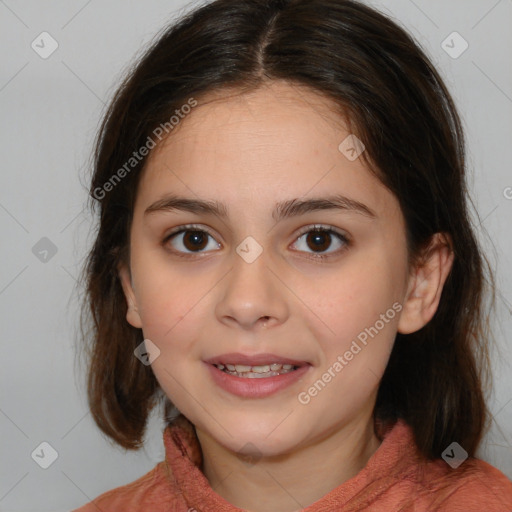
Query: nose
[[252, 297]]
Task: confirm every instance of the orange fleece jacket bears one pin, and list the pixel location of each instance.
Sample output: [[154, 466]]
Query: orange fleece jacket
[[395, 479]]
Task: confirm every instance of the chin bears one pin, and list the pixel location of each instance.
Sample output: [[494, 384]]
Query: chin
[[249, 435]]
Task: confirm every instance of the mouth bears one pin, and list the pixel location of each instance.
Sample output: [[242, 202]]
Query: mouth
[[257, 375], [257, 371], [256, 366]]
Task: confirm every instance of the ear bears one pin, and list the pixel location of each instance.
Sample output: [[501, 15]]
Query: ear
[[425, 284], [132, 314]]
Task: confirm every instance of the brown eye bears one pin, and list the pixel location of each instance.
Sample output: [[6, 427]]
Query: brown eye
[[319, 240], [189, 241], [195, 240]]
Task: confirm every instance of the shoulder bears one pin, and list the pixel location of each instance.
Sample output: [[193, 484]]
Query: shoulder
[[154, 488], [473, 487], [435, 486], [483, 487]]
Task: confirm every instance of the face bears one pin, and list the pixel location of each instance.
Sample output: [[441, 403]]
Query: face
[[253, 233]]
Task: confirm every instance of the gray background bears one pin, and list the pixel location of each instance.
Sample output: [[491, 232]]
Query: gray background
[[50, 111]]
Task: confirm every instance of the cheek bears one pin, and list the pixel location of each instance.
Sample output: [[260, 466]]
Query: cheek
[[361, 314], [166, 290], [356, 312], [351, 299], [171, 318], [167, 311]]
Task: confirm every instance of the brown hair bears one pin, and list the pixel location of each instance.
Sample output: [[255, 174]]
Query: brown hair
[[397, 105]]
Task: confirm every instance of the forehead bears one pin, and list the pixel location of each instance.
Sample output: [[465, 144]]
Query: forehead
[[274, 143]]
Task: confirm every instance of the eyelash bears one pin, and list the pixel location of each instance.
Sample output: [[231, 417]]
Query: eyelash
[[314, 228]]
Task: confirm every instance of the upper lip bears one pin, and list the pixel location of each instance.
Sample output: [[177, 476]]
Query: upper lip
[[253, 360]]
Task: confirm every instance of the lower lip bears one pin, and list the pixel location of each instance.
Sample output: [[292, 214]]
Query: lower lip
[[255, 387]]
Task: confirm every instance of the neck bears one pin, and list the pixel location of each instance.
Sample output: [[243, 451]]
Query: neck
[[287, 483]]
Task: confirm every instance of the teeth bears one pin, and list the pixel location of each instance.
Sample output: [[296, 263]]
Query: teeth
[[261, 369], [256, 372], [242, 368], [254, 375]]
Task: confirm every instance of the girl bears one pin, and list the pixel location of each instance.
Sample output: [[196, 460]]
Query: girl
[[285, 253]]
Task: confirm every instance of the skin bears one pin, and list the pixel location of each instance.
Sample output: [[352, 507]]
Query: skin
[[250, 151]]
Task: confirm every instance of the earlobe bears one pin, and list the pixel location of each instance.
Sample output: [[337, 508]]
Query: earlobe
[[426, 285], [132, 314]]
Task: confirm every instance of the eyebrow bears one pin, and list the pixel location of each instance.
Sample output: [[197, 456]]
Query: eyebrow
[[283, 210]]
